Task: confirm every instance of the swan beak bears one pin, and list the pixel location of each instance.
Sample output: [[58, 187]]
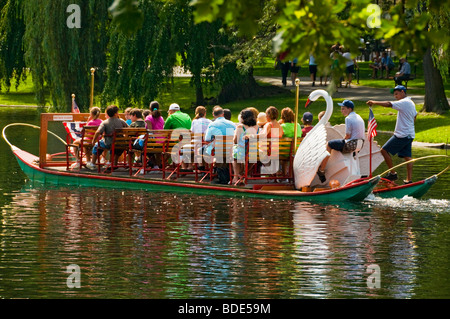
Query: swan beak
[[308, 103]]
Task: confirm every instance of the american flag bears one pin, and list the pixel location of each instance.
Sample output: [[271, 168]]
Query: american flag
[[372, 127], [74, 129], [75, 108]]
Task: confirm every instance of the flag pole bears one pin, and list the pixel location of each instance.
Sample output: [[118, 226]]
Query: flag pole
[[297, 84], [92, 88], [73, 99], [370, 156]]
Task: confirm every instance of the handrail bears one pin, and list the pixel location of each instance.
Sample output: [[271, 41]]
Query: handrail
[[30, 125]]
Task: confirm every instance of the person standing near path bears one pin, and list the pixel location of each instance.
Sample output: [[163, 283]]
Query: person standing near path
[[400, 143]]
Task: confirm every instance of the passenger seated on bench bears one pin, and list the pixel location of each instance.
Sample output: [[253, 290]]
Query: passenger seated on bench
[[354, 130], [248, 126], [287, 123], [107, 128], [154, 121], [271, 129], [93, 120], [219, 127], [136, 118]]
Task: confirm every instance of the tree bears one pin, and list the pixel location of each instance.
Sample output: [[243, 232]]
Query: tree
[[12, 29], [59, 55], [423, 27]]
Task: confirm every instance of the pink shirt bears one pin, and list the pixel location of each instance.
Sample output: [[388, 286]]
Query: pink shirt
[[157, 124], [96, 122]]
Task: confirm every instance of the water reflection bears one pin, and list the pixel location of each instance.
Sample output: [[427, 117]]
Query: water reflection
[[155, 245]]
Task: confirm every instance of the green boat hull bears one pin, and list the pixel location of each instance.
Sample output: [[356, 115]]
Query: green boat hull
[[356, 192], [415, 190]]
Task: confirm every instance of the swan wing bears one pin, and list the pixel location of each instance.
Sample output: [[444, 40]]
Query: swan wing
[[309, 156]]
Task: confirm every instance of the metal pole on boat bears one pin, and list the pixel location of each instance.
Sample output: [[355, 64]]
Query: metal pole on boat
[[92, 88], [297, 84]]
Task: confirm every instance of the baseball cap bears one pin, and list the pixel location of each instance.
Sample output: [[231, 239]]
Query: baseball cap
[[307, 117], [347, 103], [174, 107], [399, 88]]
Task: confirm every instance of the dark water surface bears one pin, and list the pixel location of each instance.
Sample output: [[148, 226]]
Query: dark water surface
[[141, 244]]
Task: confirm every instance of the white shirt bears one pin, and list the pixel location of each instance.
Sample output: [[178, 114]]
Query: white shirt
[[200, 125], [354, 125], [405, 117], [348, 56]]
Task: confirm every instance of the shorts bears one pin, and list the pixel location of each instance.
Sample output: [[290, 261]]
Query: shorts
[[399, 145], [295, 68], [350, 69], [343, 146], [337, 145], [102, 145], [312, 68]]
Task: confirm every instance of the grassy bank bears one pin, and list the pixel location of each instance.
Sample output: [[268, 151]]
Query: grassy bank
[[430, 127]]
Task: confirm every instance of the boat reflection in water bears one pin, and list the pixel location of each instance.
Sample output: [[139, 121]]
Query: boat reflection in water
[[139, 244]]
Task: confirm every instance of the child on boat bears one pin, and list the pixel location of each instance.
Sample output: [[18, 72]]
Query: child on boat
[[136, 118], [107, 128], [307, 120], [93, 120]]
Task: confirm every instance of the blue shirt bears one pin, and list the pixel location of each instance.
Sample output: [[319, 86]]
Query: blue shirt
[[220, 126], [406, 68]]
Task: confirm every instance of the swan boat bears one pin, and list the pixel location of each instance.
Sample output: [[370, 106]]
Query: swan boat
[[46, 169], [348, 168]]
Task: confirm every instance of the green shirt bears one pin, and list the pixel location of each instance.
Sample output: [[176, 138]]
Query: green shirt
[[288, 129], [178, 120]]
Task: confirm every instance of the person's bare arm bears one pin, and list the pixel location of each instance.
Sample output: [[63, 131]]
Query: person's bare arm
[[380, 103]]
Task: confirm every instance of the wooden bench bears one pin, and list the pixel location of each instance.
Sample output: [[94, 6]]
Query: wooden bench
[[85, 146], [159, 149], [221, 156], [123, 143], [276, 151], [187, 152]]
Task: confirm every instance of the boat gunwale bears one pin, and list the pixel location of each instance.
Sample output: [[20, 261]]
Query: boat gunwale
[[185, 184]]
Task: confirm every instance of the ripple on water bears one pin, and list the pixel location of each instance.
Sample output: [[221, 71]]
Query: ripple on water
[[408, 203]]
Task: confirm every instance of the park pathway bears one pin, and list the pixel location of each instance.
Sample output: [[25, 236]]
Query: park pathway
[[356, 92]]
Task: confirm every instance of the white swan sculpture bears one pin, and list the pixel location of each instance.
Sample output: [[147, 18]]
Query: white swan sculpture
[[313, 148]]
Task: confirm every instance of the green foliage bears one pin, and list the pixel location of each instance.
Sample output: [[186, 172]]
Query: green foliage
[[61, 56], [126, 15], [12, 29]]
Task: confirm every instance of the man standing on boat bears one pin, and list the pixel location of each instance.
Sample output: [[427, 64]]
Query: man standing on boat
[[107, 128], [400, 143]]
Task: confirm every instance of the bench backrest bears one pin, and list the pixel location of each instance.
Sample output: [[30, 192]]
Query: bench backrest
[[124, 138]]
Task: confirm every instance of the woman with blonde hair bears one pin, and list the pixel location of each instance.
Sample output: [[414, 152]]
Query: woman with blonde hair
[[93, 120]]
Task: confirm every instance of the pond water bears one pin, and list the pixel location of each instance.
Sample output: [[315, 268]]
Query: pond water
[[141, 244]]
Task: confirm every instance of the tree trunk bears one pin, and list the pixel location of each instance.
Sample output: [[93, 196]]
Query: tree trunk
[[435, 99], [200, 99]]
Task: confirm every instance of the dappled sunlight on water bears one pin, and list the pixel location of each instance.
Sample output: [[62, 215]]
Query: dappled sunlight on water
[[139, 244]]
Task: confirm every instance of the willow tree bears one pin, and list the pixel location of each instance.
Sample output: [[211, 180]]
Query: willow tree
[[12, 29], [61, 46]]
